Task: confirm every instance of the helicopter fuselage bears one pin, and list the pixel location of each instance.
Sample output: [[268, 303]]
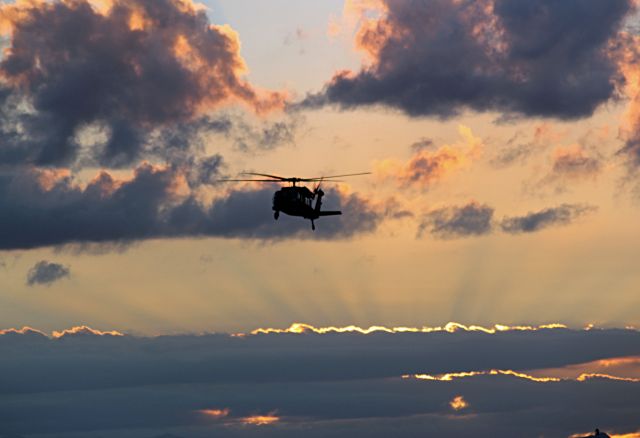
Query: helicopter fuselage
[[295, 201], [298, 201]]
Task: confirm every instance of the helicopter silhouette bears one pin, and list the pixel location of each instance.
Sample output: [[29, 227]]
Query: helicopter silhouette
[[295, 200]]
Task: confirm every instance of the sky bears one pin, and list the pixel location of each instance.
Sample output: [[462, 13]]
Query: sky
[[502, 139]]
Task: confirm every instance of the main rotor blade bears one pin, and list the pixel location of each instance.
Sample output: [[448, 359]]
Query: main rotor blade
[[267, 175], [318, 178], [254, 180]]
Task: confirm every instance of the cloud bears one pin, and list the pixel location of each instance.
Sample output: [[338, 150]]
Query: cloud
[[24, 331], [46, 208], [123, 69], [46, 273], [83, 331], [475, 219], [628, 56], [428, 164], [440, 57], [186, 143], [569, 165], [260, 420], [421, 144], [266, 135], [451, 327], [622, 367], [458, 403], [545, 379], [575, 163], [203, 385], [521, 146], [536, 221], [472, 219]]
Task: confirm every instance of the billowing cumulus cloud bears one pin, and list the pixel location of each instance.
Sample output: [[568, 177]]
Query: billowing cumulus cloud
[[274, 384], [115, 69], [439, 57], [536, 221], [45, 273], [472, 219], [44, 208]]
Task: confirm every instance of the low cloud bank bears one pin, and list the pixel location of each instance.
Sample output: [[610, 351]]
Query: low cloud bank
[[108, 384]]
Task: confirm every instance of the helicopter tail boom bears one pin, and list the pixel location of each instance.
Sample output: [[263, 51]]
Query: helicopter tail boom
[[329, 213]]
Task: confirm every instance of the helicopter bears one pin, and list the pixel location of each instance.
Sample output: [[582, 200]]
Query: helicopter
[[295, 200]]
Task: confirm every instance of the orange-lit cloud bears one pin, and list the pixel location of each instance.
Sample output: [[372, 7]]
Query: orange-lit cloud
[[417, 64], [77, 330], [83, 330], [450, 327], [260, 420], [217, 74], [444, 377], [137, 69], [215, 413], [612, 435], [354, 14], [588, 376], [458, 403], [106, 183], [426, 166], [48, 178], [452, 376], [23, 331], [524, 376], [624, 369], [621, 367]]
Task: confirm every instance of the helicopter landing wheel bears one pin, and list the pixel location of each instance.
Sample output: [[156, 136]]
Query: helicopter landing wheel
[[276, 214]]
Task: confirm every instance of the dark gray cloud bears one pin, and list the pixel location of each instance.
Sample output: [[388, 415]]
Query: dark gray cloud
[[134, 68], [186, 144], [516, 151], [423, 143], [45, 273], [39, 209], [630, 154], [140, 387], [472, 219], [265, 135], [550, 217], [576, 164], [631, 150], [569, 166], [439, 57]]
